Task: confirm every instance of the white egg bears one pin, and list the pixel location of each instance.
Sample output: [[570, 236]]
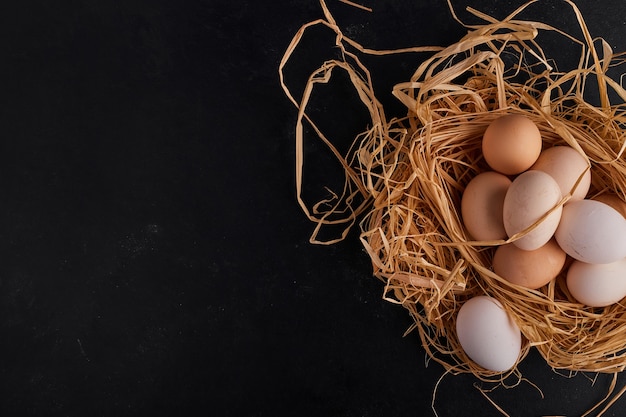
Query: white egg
[[592, 232], [597, 285], [487, 334]]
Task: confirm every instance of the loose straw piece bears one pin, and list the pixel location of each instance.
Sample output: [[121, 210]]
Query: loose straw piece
[[359, 6], [410, 173]]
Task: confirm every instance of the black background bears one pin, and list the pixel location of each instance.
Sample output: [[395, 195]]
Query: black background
[[153, 257]]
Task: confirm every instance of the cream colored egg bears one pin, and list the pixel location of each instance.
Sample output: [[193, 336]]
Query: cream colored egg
[[511, 144], [531, 269], [593, 232], [597, 285], [487, 334], [566, 165], [482, 203], [531, 196]]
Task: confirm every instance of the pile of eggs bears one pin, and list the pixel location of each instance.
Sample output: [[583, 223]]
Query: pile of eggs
[[518, 199]]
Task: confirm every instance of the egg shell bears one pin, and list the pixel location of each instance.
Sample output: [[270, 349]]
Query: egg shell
[[531, 195], [593, 232], [511, 144], [597, 285], [531, 269], [614, 201], [566, 165], [487, 334], [482, 204]]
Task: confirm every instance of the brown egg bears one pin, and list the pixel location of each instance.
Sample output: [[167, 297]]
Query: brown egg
[[511, 144], [614, 201], [565, 165], [482, 205], [530, 269]]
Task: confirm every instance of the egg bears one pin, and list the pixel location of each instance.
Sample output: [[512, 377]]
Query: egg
[[482, 203], [597, 285], [487, 334], [511, 144], [531, 195], [531, 269], [566, 165], [593, 232], [614, 201]]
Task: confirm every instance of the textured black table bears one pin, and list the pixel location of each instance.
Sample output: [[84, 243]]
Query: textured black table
[[153, 258]]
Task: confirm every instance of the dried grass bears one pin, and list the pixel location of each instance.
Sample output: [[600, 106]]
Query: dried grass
[[408, 175]]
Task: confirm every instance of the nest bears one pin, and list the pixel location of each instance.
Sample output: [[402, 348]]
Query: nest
[[405, 177]]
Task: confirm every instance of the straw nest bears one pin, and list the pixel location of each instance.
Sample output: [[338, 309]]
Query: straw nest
[[405, 177]]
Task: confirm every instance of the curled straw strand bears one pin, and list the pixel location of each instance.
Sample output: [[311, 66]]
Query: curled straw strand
[[410, 173]]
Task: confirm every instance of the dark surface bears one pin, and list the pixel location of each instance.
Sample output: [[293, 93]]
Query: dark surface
[[154, 260]]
